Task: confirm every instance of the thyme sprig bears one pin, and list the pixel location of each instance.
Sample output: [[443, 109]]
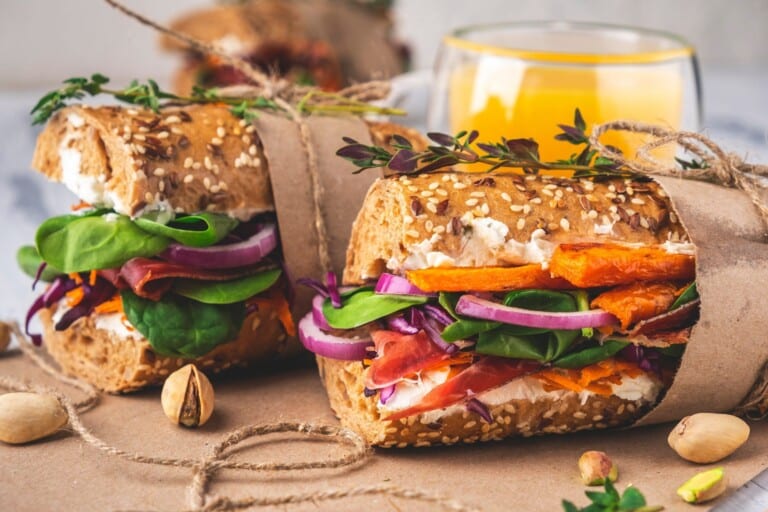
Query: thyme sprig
[[449, 150], [149, 95]]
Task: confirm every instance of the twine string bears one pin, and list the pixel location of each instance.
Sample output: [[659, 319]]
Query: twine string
[[723, 168]]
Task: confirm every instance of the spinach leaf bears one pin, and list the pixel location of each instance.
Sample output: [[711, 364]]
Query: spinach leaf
[[29, 261], [181, 327], [200, 230], [363, 306], [690, 293], [79, 243], [226, 292], [462, 328], [675, 351], [544, 347], [541, 300], [590, 355]]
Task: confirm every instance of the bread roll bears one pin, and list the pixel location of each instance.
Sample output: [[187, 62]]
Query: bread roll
[[404, 220], [553, 413]]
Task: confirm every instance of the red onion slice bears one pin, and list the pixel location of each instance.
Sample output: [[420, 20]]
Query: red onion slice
[[475, 307], [396, 285], [317, 313], [328, 345], [239, 254]]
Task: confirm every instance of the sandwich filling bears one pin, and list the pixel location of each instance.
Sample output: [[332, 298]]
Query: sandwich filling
[[184, 283]]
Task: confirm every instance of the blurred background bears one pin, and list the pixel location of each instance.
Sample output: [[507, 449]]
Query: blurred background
[[45, 41]]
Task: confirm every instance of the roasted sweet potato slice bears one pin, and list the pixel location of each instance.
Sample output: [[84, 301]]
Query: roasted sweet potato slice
[[593, 265], [485, 279], [638, 301]]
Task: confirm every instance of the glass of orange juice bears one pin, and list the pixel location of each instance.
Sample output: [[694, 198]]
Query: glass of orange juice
[[520, 80]]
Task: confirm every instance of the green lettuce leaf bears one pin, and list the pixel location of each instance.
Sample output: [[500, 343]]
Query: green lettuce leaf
[[226, 292], [200, 230]]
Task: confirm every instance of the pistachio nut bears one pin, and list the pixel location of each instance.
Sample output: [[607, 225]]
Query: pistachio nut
[[187, 397], [704, 486], [595, 467], [26, 417], [5, 336], [708, 437]]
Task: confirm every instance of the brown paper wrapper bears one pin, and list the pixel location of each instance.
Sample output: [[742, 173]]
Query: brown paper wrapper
[[342, 192], [728, 346]]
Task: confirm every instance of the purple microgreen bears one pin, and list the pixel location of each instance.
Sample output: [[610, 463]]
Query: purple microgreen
[[333, 289], [316, 285], [479, 408]]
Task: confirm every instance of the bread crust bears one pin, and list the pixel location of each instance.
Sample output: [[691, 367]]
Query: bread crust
[[344, 384], [401, 215], [195, 158], [118, 364]]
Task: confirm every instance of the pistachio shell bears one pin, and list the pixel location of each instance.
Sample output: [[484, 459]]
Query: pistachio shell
[[25, 417], [708, 437], [187, 397]]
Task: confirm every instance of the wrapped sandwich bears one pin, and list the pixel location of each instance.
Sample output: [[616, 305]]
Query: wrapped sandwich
[[172, 254], [490, 306], [324, 43]]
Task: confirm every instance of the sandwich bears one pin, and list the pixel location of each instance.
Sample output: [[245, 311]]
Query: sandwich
[[477, 307], [322, 43], [172, 255]]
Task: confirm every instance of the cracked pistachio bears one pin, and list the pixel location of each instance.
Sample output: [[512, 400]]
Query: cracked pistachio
[[704, 486], [187, 397]]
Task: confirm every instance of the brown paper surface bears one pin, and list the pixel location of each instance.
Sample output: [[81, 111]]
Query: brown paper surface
[[728, 346], [343, 192], [528, 475]]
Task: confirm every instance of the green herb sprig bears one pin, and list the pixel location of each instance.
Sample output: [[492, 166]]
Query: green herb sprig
[[451, 150], [149, 95], [631, 500]]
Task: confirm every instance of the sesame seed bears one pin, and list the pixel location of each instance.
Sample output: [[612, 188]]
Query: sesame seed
[[429, 225], [139, 136], [161, 186], [207, 182], [172, 119], [446, 177], [148, 197], [536, 200], [427, 193], [412, 233], [637, 200], [468, 425], [477, 194], [520, 188], [434, 185], [471, 202], [547, 192], [188, 162], [459, 186], [216, 141], [558, 193], [439, 229], [592, 214], [565, 224], [215, 188], [520, 223], [630, 191], [250, 129], [516, 208], [246, 139], [441, 192], [551, 186], [407, 219], [141, 175], [485, 209], [477, 212], [207, 162], [243, 123], [432, 207], [221, 132], [610, 195], [215, 169], [132, 112], [223, 185], [526, 209], [413, 188], [252, 150], [159, 172], [506, 197], [163, 135], [196, 166], [188, 178]]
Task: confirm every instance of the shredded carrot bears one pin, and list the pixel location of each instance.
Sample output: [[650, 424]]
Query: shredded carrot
[[81, 206], [75, 296], [596, 378], [76, 278], [484, 279], [113, 305], [92, 278], [276, 301]]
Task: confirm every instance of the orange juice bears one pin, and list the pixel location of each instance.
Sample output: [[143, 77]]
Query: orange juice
[[507, 98]]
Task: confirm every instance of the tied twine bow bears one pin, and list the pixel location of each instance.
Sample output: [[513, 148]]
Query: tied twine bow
[[719, 167], [208, 466], [289, 97]]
